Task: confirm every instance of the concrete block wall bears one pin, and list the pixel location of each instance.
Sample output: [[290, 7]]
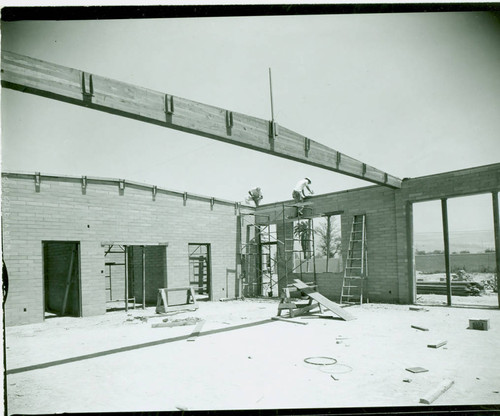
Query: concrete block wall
[[61, 210], [389, 225]]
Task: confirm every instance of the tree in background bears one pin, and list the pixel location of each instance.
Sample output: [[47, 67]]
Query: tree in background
[[329, 241], [302, 231]]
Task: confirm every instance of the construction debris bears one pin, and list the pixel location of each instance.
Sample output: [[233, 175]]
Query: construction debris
[[176, 322], [279, 318], [480, 324], [433, 394], [417, 370], [197, 330], [421, 328], [418, 309], [438, 345]]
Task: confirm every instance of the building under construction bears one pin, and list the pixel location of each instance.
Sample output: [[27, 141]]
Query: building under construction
[[80, 246]]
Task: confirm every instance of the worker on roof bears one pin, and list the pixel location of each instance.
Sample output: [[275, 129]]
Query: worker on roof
[[298, 193], [255, 196]]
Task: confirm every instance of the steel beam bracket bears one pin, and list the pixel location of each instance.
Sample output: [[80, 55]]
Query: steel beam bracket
[[307, 146], [339, 159], [38, 181], [87, 94], [169, 104]]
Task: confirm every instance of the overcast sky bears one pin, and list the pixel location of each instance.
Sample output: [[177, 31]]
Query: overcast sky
[[411, 94]]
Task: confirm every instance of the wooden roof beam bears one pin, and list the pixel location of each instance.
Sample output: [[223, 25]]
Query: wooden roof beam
[[73, 86]]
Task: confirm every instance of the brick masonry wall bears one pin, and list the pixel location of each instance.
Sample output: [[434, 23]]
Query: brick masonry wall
[[63, 211], [389, 226]]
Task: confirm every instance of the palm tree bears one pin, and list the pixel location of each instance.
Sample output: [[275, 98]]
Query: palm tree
[[303, 232]]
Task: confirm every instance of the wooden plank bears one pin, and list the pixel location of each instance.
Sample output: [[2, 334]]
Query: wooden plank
[[68, 282], [327, 303], [279, 318], [437, 345], [417, 370], [421, 328], [196, 331], [61, 83], [433, 394]]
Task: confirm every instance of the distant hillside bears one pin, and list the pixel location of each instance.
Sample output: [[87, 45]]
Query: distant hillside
[[472, 241]]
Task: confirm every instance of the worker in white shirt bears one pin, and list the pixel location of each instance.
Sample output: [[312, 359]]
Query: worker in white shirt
[[255, 195], [298, 193]]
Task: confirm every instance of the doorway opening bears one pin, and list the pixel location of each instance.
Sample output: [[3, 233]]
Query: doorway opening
[[200, 270], [133, 275], [61, 271]]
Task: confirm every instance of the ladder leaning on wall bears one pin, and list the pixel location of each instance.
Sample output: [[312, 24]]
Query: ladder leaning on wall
[[356, 268]]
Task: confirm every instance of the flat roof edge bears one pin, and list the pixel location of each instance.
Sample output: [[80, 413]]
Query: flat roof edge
[[30, 175]]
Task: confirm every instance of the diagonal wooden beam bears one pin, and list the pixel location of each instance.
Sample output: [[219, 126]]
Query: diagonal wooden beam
[[73, 86]]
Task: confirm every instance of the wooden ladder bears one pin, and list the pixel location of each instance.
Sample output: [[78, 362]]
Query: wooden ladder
[[356, 268]]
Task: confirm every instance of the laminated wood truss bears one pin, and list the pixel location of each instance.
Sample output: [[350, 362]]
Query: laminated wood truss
[[34, 76]]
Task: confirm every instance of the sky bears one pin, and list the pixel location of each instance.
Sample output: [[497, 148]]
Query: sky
[[410, 94]]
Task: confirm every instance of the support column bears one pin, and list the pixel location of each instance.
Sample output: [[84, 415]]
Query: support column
[[126, 277], [143, 277], [496, 225], [412, 284], [444, 211]]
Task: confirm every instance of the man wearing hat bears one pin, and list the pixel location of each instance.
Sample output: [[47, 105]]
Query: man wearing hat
[[298, 193], [255, 196]]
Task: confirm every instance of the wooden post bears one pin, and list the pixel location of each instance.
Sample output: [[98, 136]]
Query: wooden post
[[496, 225], [68, 281], [126, 278], [446, 237], [143, 277]]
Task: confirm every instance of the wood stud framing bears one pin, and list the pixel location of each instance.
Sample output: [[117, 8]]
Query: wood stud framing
[[73, 86]]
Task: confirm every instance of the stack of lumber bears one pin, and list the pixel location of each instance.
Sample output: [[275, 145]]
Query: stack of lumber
[[457, 288]]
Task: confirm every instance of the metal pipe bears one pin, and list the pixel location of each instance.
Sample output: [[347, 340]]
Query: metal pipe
[[271, 92], [143, 277], [446, 237], [126, 278], [496, 224]]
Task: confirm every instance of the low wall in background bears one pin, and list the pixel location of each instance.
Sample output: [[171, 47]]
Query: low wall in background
[[473, 262]]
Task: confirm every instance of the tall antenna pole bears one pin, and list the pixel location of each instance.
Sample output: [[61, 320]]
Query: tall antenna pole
[[271, 91]]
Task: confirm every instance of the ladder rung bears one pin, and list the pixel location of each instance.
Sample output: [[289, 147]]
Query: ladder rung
[[350, 286], [353, 277]]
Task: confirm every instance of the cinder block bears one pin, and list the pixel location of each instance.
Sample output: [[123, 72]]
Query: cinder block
[[480, 324]]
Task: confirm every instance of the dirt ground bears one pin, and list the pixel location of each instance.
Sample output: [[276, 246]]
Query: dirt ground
[[243, 360]]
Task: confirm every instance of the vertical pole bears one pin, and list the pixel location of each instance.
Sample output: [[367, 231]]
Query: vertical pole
[[444, 212], [271, 92], [126, 278], [496, 224], [328, 239], [143, 277], [313, 252]]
